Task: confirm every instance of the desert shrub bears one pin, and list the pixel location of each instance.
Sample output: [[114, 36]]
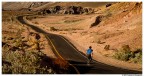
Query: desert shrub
[[109, 14], [125, 48], [71, 29], [137, 58], [22, 63], [30, 62], [107, 47], [53, 29], [122, 55], [98, 41], [36, 23], [61, 66], [71, 21], [31, 17], [6, 69], [125, 54]]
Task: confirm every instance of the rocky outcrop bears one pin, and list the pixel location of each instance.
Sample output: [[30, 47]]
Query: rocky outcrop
[[46, 8], [67, 10], [108, 5], [98, 20]]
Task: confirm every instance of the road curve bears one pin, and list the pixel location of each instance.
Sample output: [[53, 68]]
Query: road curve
[[68, 51]]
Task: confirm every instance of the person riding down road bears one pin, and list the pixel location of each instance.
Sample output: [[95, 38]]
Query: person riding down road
[[89, 54]]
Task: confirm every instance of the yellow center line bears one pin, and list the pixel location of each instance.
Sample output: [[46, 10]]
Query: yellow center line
[[60, 55], [55, 48], [73, 47]]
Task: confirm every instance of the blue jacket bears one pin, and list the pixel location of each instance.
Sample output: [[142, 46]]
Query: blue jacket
[[89, 51]]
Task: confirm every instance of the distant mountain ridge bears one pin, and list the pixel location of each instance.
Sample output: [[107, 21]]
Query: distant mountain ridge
[[43, 5], [21, 5]]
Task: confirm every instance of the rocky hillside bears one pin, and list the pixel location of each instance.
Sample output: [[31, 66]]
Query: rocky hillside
[[21, 5], [122, 24], [53, 7]]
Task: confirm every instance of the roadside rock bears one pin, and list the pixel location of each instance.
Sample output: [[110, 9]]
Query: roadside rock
[[108, 5], [98, 20]]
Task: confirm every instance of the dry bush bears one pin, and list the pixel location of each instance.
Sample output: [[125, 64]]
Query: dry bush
[[125, 54], [137, 58], [72, 21], [53, 29], [107, 47], [31, 17], [62, 64], [36, 22], [27, 63]]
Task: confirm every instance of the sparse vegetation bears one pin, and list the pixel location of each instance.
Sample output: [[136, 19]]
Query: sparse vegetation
[[17, 59], [53, 29], [71, 29], [34, 17], [21, 55], [109, 14], [31, 17], [36, 22], [72, 21], [27, 63], [98, 41], [107, 47], [24, 61], [125, 54], [60, 65]]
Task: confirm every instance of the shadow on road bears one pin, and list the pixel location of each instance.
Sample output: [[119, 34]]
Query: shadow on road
[[83, 67]]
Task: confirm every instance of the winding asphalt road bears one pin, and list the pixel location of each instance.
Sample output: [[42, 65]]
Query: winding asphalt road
[[68, 51]]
